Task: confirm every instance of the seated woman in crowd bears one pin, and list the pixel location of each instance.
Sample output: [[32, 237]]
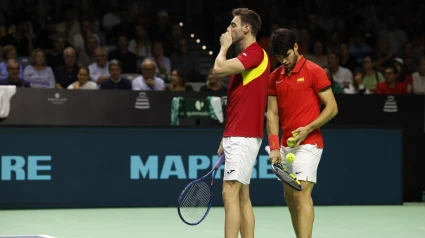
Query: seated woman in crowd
[[371, 75], [213, 84], [38, 74], [178, 82], [357, 87], [83, 81]]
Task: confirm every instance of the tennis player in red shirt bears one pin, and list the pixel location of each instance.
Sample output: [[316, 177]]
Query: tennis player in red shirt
[[296, 91], [244, 128]]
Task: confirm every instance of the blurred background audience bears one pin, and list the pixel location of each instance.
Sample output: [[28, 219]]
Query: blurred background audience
[[354, 41]]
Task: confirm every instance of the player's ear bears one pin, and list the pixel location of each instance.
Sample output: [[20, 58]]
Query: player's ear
[[246, 28]]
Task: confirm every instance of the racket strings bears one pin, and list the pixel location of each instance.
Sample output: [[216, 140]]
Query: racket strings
[[195, 201], [285, 176]]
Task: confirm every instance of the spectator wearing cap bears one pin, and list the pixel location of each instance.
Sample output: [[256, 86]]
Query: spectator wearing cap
[[402, 75]]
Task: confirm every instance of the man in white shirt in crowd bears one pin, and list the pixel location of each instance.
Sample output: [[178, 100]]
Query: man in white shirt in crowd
[[148, 81], [419, 78], [99, 70], [340, 75]]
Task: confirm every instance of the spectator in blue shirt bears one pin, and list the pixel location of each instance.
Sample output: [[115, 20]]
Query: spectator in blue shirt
[[148, 81], [115, 81], [9, 52], [38, 74], [13, 67]]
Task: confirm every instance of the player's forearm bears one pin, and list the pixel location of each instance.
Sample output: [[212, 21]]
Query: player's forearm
[[272, 123], [327, 114], [220, 60]]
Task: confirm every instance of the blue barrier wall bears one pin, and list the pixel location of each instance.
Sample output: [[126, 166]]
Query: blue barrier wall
[[112, 167]]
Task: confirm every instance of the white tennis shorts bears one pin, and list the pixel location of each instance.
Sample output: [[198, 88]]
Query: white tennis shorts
[[240, 153], [307, 158]]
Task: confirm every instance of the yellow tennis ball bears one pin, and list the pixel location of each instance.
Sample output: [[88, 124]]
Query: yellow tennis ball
[[290, 142], [290, 157], [295, 134]]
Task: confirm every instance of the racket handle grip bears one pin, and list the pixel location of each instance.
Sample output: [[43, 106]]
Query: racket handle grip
[[267, 149], [219, 161]]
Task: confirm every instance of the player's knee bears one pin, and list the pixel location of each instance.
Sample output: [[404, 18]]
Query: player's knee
[[244, 194], [230, 192], [302, 196], [289, 196]]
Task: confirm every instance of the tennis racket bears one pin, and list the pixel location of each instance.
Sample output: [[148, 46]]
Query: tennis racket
[[284, 175], [196, 198]]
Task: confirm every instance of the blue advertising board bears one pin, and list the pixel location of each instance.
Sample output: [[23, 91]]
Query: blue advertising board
[[126, 167]]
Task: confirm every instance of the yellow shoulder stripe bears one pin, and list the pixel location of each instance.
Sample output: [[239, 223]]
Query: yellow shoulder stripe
[[254, 73]]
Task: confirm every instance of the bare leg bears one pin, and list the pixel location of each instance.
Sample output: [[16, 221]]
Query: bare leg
[[305, 210], [231, 191], [247, 213], [292, 205]]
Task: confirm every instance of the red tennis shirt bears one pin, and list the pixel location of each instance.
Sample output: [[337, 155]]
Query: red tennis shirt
[[247, 95], [298, 99]]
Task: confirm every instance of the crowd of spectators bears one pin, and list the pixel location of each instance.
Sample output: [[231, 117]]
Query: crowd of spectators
[[364, 48]]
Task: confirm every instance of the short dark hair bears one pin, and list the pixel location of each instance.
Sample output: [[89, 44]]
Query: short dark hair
[[12, 61], [333, 53], [85, 68], [393, 67], [114, 62], [281, 41], [249, 17]]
